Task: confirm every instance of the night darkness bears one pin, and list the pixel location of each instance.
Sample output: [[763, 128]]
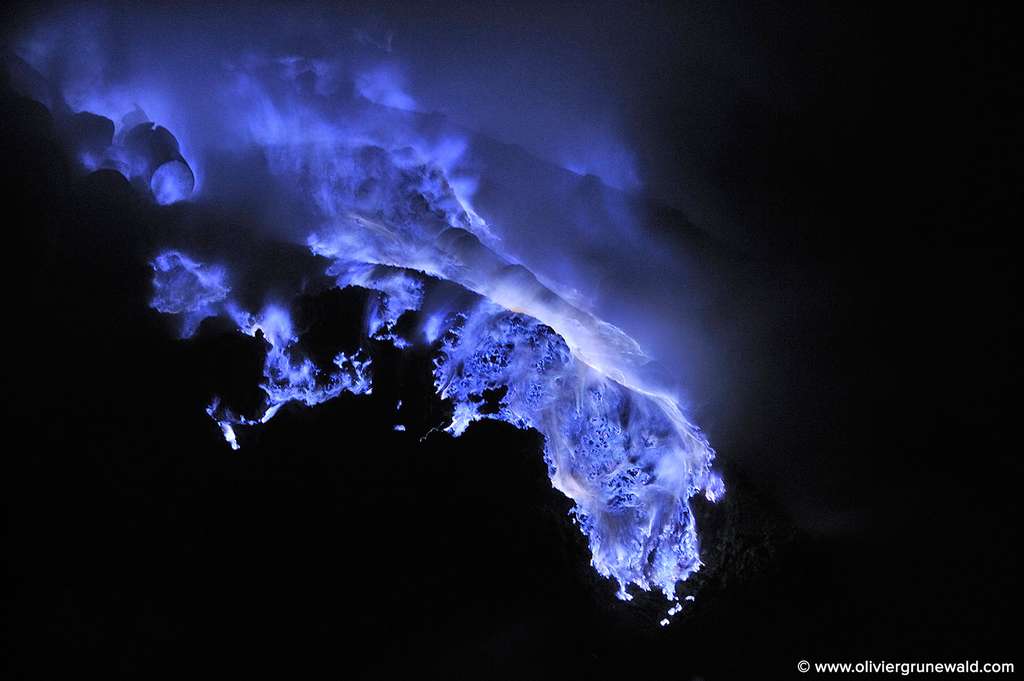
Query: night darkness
[[800, 211]]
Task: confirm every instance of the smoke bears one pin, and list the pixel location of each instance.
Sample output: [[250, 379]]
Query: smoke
[[505, 276]]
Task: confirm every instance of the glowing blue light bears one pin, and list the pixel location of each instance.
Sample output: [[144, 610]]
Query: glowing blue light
[[289, 378], [182, 286], [172, 182], [388, 218], [432, 327]]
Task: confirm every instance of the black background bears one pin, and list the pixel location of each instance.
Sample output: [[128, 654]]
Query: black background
[[137, 544]]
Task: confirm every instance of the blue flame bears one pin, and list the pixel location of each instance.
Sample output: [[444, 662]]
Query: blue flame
[[289, 377], [182, 286], [627, 458], [387, 205], [390, 221]]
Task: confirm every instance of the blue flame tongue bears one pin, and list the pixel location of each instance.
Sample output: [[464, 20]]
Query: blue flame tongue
[[185, 287], [387, 218], [628, 458], [512, 350], [377, 191]]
